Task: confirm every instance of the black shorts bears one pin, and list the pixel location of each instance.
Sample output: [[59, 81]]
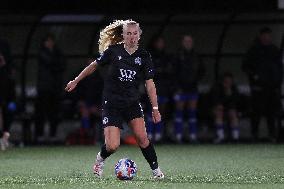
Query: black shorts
[[114, 115]]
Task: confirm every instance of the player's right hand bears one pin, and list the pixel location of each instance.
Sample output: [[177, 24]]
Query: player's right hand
[[71, 85]]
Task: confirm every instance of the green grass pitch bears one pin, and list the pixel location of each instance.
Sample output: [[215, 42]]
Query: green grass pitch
[[185, 166]]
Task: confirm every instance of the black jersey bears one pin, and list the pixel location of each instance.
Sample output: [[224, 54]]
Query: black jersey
[[124, 73]]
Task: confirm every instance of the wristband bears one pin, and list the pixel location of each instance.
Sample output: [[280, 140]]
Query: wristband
[[155, 108]]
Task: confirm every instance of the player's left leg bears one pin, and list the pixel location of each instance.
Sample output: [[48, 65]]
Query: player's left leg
[[112, 123], [138, 127], [112, 142]]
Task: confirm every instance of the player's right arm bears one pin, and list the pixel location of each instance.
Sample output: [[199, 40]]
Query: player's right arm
[[87, 71]]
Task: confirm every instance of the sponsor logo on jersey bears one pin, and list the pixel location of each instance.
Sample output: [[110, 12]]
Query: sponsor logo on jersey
[[138, 61], [127, 75]]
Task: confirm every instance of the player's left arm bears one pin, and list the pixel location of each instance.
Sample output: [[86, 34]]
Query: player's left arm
[[152, 94]]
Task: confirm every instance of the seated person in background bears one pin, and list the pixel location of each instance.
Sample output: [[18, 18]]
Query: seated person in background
[[224, 97]]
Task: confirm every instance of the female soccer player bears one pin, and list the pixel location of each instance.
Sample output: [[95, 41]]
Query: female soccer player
[[126, 66]]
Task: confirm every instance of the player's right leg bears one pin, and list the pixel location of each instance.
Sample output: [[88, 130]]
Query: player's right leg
[[112, 142], [112, 123]]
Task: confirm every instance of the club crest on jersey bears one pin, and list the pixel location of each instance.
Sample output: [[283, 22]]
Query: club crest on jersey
[[138, 61], [105, 120]]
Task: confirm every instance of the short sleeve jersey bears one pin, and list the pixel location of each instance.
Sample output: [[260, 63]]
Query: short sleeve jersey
[[124, 73]]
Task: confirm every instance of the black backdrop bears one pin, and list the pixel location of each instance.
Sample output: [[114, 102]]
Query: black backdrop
[[133, 6]]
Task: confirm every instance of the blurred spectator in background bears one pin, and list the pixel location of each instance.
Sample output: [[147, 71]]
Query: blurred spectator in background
[[189, 71], [89, 92], [225, 97], [263, 66], [51, 65], [163, 79], [7, 93]]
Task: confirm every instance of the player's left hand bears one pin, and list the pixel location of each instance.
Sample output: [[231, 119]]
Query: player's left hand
[[156, 116]]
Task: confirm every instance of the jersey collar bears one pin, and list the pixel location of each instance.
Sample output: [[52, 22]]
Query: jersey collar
[[129, 52]]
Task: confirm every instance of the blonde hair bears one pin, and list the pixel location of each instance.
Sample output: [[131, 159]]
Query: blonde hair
[[112, 34]]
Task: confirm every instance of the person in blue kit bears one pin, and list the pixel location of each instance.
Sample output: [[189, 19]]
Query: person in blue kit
[[190, 70], [126, 65]]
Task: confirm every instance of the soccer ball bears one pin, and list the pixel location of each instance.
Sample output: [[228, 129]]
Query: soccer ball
[[125, 169]]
